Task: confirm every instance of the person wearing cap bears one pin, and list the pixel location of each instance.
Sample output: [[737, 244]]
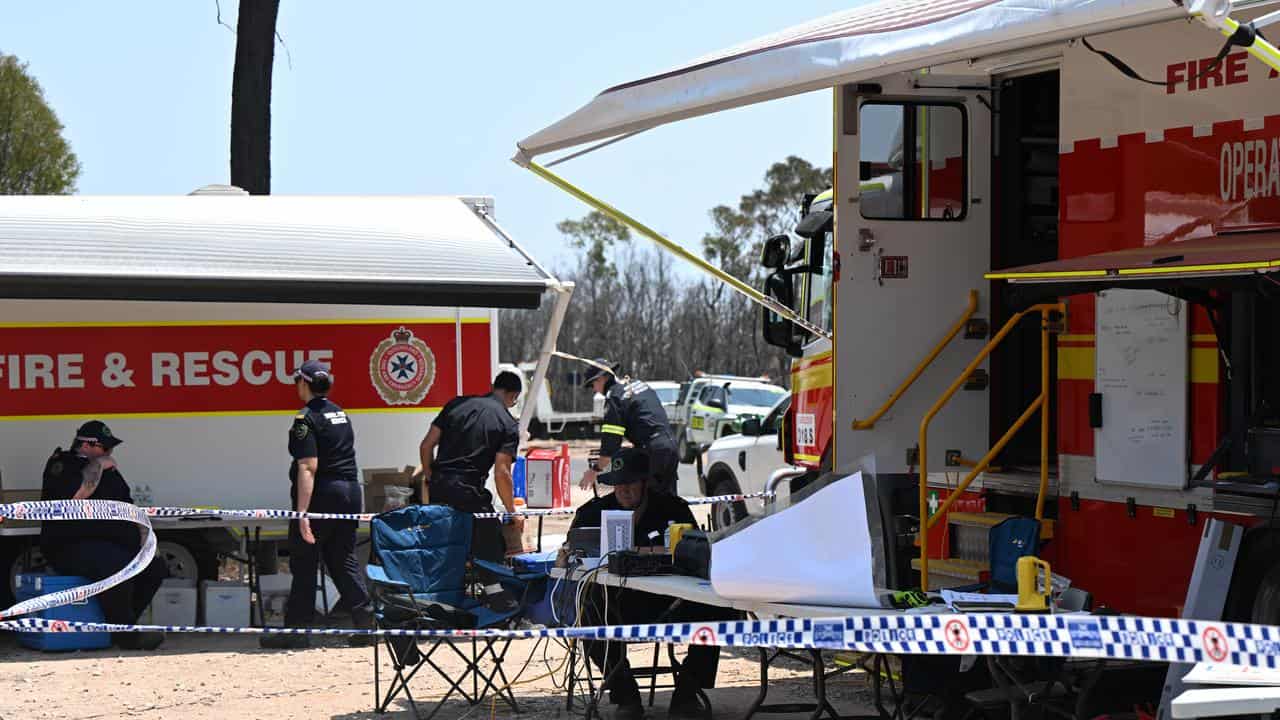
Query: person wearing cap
[[632, 410], [470, 436], [325, 479], [97, 549], [636, 488]]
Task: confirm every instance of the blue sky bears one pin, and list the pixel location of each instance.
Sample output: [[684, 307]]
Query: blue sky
[[414, 97]]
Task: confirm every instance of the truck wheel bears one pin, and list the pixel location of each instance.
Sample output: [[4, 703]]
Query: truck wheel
[[537, 430], [1255, 569], [684, 450], [1266, 604], [188, 561], [15, 560], [724, 514]]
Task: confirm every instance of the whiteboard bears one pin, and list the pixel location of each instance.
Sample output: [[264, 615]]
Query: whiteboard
[[1142, 356]]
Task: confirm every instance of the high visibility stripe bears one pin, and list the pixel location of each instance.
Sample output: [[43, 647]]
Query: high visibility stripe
[[613, 429], [808, 458], [1204, 365], [1075, 363], [214, 413], [813, 378]]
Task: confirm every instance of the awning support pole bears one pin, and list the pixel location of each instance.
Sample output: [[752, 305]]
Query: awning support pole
[[563, 292], [741, 287]]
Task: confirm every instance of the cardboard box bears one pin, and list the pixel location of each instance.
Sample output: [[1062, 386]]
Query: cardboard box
[[376, 481]]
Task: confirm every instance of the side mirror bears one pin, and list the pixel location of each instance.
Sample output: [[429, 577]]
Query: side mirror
[[778, 331], [776, 251], [717, 403], [864, 170], [751, 426]]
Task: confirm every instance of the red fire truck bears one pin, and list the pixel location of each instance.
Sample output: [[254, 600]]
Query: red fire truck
[[1044, 282]]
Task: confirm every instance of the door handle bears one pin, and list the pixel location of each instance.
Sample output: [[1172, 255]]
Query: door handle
[[742, 460]]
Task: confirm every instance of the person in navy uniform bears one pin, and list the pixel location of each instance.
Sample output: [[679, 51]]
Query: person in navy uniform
[[97, 549], [324, 479], [470, 436], [634, 411]]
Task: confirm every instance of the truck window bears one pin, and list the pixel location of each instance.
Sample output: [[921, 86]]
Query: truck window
[[923, 178], [818, 283]]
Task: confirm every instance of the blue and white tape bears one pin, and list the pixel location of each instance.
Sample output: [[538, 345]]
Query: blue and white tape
[[1067, 636], [52, 510], [47, 510], [178, 512]]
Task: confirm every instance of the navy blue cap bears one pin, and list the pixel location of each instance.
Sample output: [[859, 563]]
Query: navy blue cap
[[628, 466], [312, 370], [98, 432], [594, 372]]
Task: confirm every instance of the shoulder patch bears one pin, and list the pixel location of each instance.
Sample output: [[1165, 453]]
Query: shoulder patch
[[300, 430]]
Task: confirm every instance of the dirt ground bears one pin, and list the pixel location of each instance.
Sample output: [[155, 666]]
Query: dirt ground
[[213, 676], [228, 676]]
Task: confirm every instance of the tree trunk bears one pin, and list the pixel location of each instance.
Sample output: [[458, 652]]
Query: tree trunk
[[251, 96]]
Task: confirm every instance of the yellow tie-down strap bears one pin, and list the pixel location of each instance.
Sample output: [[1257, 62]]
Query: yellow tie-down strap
[[741, 287]]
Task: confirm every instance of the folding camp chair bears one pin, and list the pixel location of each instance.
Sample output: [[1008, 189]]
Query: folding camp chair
[[424, 582]]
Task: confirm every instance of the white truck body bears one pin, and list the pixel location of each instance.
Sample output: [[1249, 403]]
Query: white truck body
[[179, 320]]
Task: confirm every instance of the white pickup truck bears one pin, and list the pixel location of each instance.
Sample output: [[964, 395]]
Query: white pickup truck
[[713, 406], [742, 463]]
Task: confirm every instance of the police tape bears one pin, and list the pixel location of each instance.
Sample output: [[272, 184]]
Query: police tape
[[263, 514], [54, 510], [1078, 636], [82, 510]]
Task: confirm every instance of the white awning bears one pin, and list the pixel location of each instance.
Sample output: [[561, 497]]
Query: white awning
[[376, 250], [865, 42]]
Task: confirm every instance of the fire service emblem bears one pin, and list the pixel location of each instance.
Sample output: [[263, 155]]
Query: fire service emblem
[[402, 368]]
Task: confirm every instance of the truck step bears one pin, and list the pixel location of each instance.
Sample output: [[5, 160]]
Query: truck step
[[991, 519], [949, 572]]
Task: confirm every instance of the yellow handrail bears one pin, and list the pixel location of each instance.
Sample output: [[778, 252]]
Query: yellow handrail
[[1041, 403], [928, 360]]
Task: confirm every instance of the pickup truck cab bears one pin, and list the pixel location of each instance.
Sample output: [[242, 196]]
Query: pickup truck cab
[[742, 463], [715, 407]]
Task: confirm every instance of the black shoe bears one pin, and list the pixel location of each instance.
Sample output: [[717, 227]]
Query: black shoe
[[361, 619], [137, 640], [687, 707], [284, 642], [629, 711]]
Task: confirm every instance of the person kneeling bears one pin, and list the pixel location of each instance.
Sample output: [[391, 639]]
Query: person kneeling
[[635, 489]]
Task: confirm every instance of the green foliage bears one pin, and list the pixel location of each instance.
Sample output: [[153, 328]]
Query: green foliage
[[596, 233], [762, 213], [34, 157]]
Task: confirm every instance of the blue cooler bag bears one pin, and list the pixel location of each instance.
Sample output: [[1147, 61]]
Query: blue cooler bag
[[32, 585]]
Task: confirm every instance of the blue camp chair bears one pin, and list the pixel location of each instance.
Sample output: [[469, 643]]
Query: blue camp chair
[[425, 582]]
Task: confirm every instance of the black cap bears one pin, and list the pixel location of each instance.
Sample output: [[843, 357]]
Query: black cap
[[97, 431], [312, 370], [629, 466], [594, 372]]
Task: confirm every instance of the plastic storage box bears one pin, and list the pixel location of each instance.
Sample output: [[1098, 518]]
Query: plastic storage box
[[32, 585], [174, 603], [226, 604]]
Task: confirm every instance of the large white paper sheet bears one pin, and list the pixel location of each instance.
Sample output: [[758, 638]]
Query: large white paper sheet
[[817, 552]]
